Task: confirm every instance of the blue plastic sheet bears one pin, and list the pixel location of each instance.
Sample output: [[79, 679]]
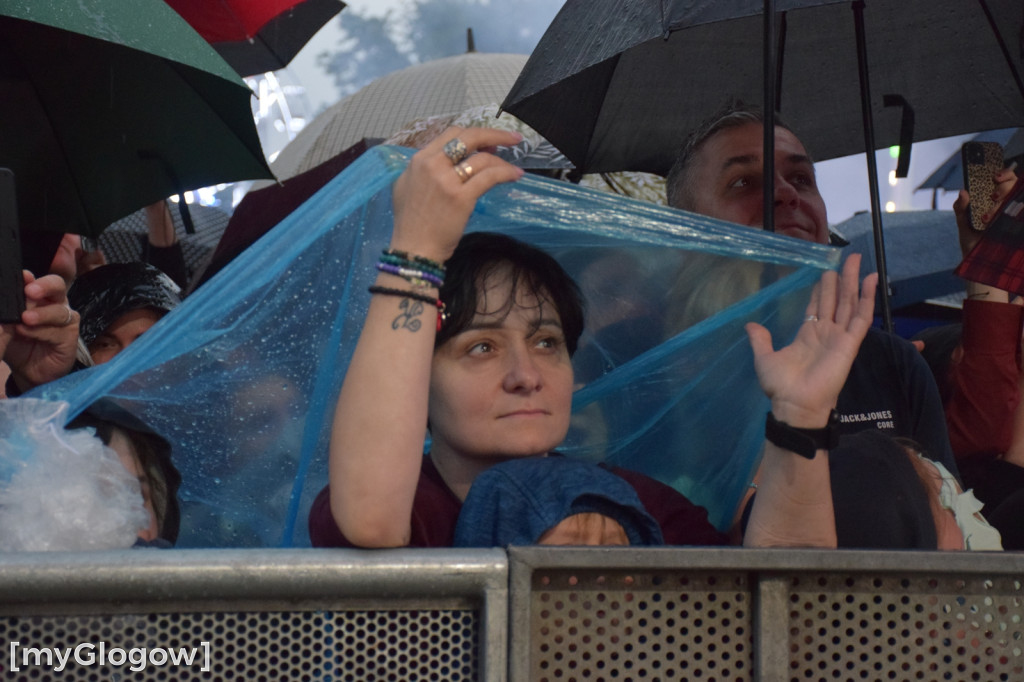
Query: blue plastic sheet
[[243, 376]]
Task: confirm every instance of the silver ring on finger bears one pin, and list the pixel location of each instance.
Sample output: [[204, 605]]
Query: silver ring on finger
[[70, 316], [811, 318], [464, 171], [455, 150]]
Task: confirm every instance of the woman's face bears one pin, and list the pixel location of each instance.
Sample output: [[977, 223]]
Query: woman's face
[[120, 444], [502, 388]]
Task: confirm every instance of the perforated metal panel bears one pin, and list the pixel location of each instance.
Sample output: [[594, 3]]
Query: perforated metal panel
[[274, 615], [898, 627], [354, 646], [633, 625], [774, 615]]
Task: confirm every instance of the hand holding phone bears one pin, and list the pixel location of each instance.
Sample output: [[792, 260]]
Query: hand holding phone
[[981, 162]]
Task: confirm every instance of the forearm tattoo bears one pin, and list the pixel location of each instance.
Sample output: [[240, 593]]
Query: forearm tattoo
[[409, 317]]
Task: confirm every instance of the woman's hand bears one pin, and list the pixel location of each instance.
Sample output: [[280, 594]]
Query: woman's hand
[[793, 507], [433, 201], [803, 379], [969, 237], [41, 348]]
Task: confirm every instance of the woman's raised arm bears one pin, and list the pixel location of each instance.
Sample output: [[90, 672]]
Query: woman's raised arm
[[381, 416], [793, 506]]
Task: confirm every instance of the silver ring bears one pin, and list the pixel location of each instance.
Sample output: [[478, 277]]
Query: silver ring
[[455, 150], [464, 171], [70, 316], [811, 318]]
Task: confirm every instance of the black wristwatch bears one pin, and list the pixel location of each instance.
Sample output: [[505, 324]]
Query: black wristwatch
[[804, 442]]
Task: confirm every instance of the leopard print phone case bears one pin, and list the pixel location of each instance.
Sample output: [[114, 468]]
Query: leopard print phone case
[[981, 161]]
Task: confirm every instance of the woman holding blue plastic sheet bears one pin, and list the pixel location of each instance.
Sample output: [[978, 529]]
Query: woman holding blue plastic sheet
[[475, 342]]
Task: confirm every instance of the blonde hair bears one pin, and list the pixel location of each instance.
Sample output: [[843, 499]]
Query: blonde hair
[[707, 284]]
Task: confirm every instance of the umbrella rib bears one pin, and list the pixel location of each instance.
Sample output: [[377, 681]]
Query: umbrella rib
[[1002, 46], [780, 54]]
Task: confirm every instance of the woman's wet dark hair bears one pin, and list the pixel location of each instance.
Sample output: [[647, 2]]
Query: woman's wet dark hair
[[479, 254]]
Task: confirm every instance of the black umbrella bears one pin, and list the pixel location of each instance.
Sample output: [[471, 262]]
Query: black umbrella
[[617, 84]]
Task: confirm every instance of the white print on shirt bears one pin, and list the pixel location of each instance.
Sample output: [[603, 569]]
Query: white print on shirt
[[883, 419]]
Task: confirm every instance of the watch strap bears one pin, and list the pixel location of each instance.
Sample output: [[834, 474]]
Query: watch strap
[[804, 442]]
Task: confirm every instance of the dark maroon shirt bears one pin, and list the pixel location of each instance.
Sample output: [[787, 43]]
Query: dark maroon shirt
[[435, 511]]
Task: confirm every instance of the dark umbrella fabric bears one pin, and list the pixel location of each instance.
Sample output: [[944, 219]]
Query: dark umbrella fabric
[[922, 249], [256, 36], [617, 84], [110, 106]]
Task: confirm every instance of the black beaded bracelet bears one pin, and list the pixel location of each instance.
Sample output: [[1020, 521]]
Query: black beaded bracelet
[[416, 296]]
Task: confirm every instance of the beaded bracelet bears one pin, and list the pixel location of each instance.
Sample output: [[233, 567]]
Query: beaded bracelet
[[412, 265], [404, 255], [442, 314], [418, 278]]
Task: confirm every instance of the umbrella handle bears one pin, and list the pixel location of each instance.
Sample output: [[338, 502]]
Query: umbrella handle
[[186, 215], [906, 132]]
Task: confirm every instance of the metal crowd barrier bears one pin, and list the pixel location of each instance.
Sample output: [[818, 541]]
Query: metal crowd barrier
[[255, 615], [729, 614], [529, 614]]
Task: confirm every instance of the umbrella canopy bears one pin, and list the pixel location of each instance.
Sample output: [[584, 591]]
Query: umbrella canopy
[[443, 86], [532, 153], [614, 83], [950, 175], [922, 249], [123, 241], [617, 84], [110, 106], [256, 36]]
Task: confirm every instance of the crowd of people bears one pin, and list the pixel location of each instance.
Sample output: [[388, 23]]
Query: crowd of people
[[470, 338]]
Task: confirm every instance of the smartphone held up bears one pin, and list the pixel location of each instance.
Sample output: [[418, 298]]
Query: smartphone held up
[[981, 161], [12, 295]]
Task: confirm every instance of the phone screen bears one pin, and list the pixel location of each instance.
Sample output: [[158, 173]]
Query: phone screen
[[12, 285]]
